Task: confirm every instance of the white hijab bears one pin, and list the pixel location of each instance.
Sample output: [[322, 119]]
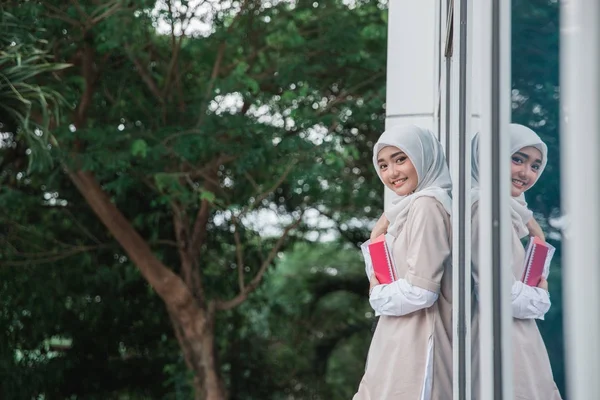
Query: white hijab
[[520, 136], [427, 156]]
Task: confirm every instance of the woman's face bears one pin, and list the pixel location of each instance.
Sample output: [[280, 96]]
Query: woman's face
[[397, 171], [525, 169]]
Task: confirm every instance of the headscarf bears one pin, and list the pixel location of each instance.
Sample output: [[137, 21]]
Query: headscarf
[[520, 137], [426, 154]]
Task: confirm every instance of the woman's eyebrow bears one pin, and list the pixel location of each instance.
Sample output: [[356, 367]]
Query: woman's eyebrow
[[526, 156], [392, 156]]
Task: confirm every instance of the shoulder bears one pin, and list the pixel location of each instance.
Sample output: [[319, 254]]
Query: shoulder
[[475, 207], [428, 204], [429, 217], [428, 208]]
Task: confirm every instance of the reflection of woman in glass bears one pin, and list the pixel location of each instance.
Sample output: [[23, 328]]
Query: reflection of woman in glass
[[411, 352], [533, 378]]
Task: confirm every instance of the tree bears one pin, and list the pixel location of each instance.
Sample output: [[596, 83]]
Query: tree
[[192, 138]]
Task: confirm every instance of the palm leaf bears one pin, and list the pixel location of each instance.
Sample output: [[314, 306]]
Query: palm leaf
[[22, 97]]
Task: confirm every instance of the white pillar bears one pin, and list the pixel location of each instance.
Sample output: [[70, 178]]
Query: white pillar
[[460, 169], [580, 150], [477, 27], [495, 230]]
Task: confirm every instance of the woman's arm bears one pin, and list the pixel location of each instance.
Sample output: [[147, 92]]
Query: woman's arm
[[395, 299], [380, 227], [526, 302], [530, 302], [427, 250], [399, 298], [535, 229]]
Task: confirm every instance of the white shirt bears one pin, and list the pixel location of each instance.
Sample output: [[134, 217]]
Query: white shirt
[[401, 298], [529, 302]]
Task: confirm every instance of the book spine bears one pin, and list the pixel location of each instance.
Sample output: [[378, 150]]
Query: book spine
[[389, 261], [529, 263]]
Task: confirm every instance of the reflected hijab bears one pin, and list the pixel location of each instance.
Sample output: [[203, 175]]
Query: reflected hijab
[[520, 137], [426, 154]]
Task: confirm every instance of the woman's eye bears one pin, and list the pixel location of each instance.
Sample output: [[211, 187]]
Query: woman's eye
[[382, 166], [400, 160], [535, 167], [517, 160]]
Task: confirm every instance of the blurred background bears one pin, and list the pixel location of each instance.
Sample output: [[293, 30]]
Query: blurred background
[[184, 186]]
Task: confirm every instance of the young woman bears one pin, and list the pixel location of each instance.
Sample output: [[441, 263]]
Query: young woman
[[411, 351], [533, 378]]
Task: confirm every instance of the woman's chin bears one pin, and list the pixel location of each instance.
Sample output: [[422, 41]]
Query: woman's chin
[[516, 192], [403, 191]]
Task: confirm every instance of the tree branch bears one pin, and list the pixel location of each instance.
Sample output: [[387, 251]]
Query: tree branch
[[278, 183], [217, 65], [253, 284], [83, 229], [239, 251], [107, 13], [166, 283], [252, 181], [343, 233], [342, 97], [176, 47], [180, 224], [150, 84], [200, 229], [60, 14], [211, 82], [89, 75], [81, 12], [50, 257]]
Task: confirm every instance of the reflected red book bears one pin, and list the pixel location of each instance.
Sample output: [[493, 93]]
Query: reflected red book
[[535, 261], [381, 258]]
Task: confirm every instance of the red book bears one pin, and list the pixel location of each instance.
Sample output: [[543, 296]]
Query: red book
[[381, 258], [535, 261]]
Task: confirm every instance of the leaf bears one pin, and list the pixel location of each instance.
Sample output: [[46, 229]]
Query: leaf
[[162, 180], [139, 147], [208, 196]]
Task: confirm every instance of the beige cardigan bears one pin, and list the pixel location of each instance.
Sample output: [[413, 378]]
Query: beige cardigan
[[411, 356], [533, 378]]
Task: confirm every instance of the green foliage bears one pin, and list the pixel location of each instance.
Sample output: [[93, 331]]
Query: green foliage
[[27, 108], [269, 114], [312, 305]]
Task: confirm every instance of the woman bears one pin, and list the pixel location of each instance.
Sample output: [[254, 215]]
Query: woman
[[533, 378], [411, 351], [532, 225]]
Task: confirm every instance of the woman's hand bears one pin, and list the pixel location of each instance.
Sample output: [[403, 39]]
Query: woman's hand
[[535, 229], [373, 282], [543, 284], [380, 227]]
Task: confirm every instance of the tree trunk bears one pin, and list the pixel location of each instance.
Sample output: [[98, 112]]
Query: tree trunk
[[193, 322], [195, 333]]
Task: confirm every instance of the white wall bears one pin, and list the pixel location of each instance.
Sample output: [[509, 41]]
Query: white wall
[[413, 65]]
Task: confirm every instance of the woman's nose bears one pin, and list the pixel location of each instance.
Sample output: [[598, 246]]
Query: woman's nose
[[531, 173]]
